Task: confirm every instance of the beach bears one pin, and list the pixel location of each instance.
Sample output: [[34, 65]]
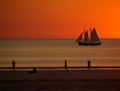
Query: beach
[[60, 80], [53, 72]]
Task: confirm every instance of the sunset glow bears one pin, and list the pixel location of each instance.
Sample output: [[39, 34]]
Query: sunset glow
[[31, 19]]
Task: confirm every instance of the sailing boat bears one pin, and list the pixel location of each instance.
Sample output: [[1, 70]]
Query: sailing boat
[[93, 40]]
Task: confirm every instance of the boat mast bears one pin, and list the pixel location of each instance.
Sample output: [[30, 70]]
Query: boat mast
[[90, 27], [90, 33], [84, 34]]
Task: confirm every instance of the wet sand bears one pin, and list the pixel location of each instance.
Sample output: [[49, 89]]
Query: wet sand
[[60, 80]]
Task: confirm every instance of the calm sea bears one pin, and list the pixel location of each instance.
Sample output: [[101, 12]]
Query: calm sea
[[53, 52]]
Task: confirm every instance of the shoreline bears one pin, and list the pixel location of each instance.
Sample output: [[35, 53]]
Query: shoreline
[[63, 68]]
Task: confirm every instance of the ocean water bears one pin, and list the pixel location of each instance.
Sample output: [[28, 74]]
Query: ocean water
[[53, 52]]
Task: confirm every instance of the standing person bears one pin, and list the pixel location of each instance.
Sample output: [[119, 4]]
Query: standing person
[[89, 64], [65, 64], [13, 65]]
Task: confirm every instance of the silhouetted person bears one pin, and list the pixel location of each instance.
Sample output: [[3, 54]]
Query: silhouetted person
[[65, 66], [89, 63], [13, 65], [33, 71]]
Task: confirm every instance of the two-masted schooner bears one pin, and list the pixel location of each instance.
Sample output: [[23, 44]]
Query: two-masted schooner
[[84, 39]]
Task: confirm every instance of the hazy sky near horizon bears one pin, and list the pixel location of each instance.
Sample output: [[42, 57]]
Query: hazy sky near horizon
[[58, 18]]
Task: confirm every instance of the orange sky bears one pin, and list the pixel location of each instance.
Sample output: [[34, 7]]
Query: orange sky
[[58, 18]]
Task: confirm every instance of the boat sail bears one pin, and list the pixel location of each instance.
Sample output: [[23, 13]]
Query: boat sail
[[86, 38], [93, 40], [80, 37]]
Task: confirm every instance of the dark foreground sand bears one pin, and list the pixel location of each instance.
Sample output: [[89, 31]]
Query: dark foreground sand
[[60, 80]]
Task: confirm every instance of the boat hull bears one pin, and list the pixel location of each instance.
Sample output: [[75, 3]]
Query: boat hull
[[88, 44]]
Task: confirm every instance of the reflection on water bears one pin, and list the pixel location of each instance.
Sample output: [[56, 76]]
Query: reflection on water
[[29, 53]]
